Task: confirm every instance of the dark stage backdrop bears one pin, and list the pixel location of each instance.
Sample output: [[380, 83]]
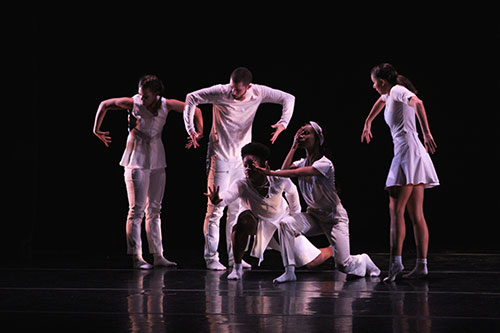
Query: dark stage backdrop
[[72, 198]]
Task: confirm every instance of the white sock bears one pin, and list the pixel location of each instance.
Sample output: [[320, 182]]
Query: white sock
[[215, 265], [289, 275], [237, 272], [395, 267], [139, 262], [371, 268], [419, 271], [159, 260]]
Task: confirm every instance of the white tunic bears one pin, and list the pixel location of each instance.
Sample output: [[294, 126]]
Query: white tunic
[[411, 163], [144, 148], [232, 119], [319, 192], [270, 210]]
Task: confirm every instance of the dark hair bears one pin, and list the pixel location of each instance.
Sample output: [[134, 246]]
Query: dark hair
[[152, 83], [257, 149], [242, 74], [386, 71]]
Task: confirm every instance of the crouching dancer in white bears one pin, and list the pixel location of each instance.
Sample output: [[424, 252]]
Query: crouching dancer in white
[[144, 162], [324, 214], [263, 206], [234, 108]]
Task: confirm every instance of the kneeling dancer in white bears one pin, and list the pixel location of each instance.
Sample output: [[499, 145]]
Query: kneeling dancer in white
[[263, 207], [325, 214]]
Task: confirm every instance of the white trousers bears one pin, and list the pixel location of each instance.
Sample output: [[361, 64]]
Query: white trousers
[[222, 174], [335, 225], [145, 190]]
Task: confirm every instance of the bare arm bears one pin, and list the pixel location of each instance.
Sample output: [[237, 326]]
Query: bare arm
[[178, 106], [287, 163], [306, 171], [377, 107], [287, 100], [418, 105], [123, 103]]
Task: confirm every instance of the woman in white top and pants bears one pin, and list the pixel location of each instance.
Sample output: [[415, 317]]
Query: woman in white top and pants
[[325, 213], [144, 163]]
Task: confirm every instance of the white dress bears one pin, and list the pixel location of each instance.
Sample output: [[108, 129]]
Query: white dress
[[411, 163]]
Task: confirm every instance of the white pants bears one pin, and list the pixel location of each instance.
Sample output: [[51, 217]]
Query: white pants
[[222, 174], [145, 190], [334, 225]]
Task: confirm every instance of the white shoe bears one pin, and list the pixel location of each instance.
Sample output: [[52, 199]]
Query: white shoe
[[161, 261], [237, 273], [394, 270], [371, 268], [244, 264], [141, 264], [215, 265]]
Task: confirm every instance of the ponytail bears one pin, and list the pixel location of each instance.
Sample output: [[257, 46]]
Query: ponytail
[[404, 81], [386, 71]]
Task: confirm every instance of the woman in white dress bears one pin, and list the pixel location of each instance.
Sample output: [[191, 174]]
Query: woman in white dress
[[411, 169], [144, 163]]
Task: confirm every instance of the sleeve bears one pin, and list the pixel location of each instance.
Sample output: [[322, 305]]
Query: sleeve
[[402, 94], [323, 166], [231, 194], [270, 95], [203, 96], [384, 97], [299, 164], [292, 196]]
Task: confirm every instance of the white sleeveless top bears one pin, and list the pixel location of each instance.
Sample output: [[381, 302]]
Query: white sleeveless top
[[144, 148]]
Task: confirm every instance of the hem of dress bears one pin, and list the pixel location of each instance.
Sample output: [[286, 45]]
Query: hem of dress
[[426, 185]]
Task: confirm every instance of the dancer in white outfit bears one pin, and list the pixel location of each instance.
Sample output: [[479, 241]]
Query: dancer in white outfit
[[411, 169], [325, 213], [263, 208], [234, 108], [144, 162]]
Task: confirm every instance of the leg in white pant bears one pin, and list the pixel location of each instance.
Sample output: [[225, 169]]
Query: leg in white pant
[[336, 229], [137, 182], [153, 204], [145, 190], [220, 174]]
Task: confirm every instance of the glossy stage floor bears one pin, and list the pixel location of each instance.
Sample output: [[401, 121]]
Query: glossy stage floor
[[461, 294]]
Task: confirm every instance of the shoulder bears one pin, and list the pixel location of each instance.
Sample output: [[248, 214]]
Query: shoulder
[[401, 93], [323, 165]]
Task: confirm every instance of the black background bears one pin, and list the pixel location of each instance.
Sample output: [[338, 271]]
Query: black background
[[69, 195]]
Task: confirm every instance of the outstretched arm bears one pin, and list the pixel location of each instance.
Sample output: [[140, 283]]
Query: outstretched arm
[[306, 171], [123, 103], [178, 106], [418, 105], [367, 133]]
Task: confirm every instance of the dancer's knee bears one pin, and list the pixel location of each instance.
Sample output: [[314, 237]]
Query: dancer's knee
[[246, 223]]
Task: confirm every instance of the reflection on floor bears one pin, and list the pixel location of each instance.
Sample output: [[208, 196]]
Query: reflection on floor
[[462, 293]]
